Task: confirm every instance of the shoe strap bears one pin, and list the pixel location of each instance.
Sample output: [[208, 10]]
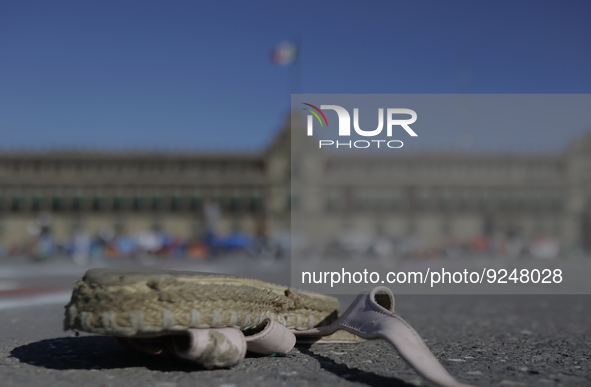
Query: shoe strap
[[274, 338], [212, 348], [217, 347], [372, 316]]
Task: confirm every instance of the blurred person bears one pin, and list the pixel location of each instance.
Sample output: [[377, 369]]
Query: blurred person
[[211, 213], [45, 245], [263, 246], [544, 247], [81, 247]]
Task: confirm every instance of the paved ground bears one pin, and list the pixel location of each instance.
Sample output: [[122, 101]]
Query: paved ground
[[484, 340]]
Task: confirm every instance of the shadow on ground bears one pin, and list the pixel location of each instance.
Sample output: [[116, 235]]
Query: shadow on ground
[[353, 374], [92, 352], [103, 353]]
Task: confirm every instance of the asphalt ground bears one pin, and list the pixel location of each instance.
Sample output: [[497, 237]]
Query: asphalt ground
[[482, 340]]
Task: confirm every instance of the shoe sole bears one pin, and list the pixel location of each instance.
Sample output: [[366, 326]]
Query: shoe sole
[[148, 303]]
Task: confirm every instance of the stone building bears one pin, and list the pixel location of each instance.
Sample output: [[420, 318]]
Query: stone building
[[132, 192], [437, 195], [443, 197]]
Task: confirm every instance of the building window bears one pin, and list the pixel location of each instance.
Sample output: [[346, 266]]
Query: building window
[[395, 203], [137, 203], [504, 203], [57, 204], [36, 204], [175, 204], [77, 204], [555, 204], [156, 203], [484, 203], [195, 203], [118, 203], [234, 204], [97, 204], [464, 203], [16, 204], [423, 203], [255, 204]]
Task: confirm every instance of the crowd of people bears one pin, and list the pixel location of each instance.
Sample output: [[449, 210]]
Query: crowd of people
[[82, 247]]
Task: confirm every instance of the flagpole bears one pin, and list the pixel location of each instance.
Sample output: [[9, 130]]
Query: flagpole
[[288, 54], [296, 69]]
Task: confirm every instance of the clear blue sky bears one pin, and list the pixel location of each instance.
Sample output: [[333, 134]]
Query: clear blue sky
[[197, 74]]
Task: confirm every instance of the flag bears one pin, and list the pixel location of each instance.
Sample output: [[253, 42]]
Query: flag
[[284, 53]]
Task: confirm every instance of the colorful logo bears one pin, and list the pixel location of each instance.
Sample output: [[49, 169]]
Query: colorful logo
[[391, 119], [319, 111]]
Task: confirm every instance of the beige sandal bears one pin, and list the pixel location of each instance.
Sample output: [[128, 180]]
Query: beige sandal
[[213, 319]]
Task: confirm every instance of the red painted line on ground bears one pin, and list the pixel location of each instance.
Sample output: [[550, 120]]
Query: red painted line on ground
[[30, 290]]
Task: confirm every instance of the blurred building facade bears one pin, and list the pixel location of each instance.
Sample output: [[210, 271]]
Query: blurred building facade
[[133, 192], [444, 197], [437, 196]]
